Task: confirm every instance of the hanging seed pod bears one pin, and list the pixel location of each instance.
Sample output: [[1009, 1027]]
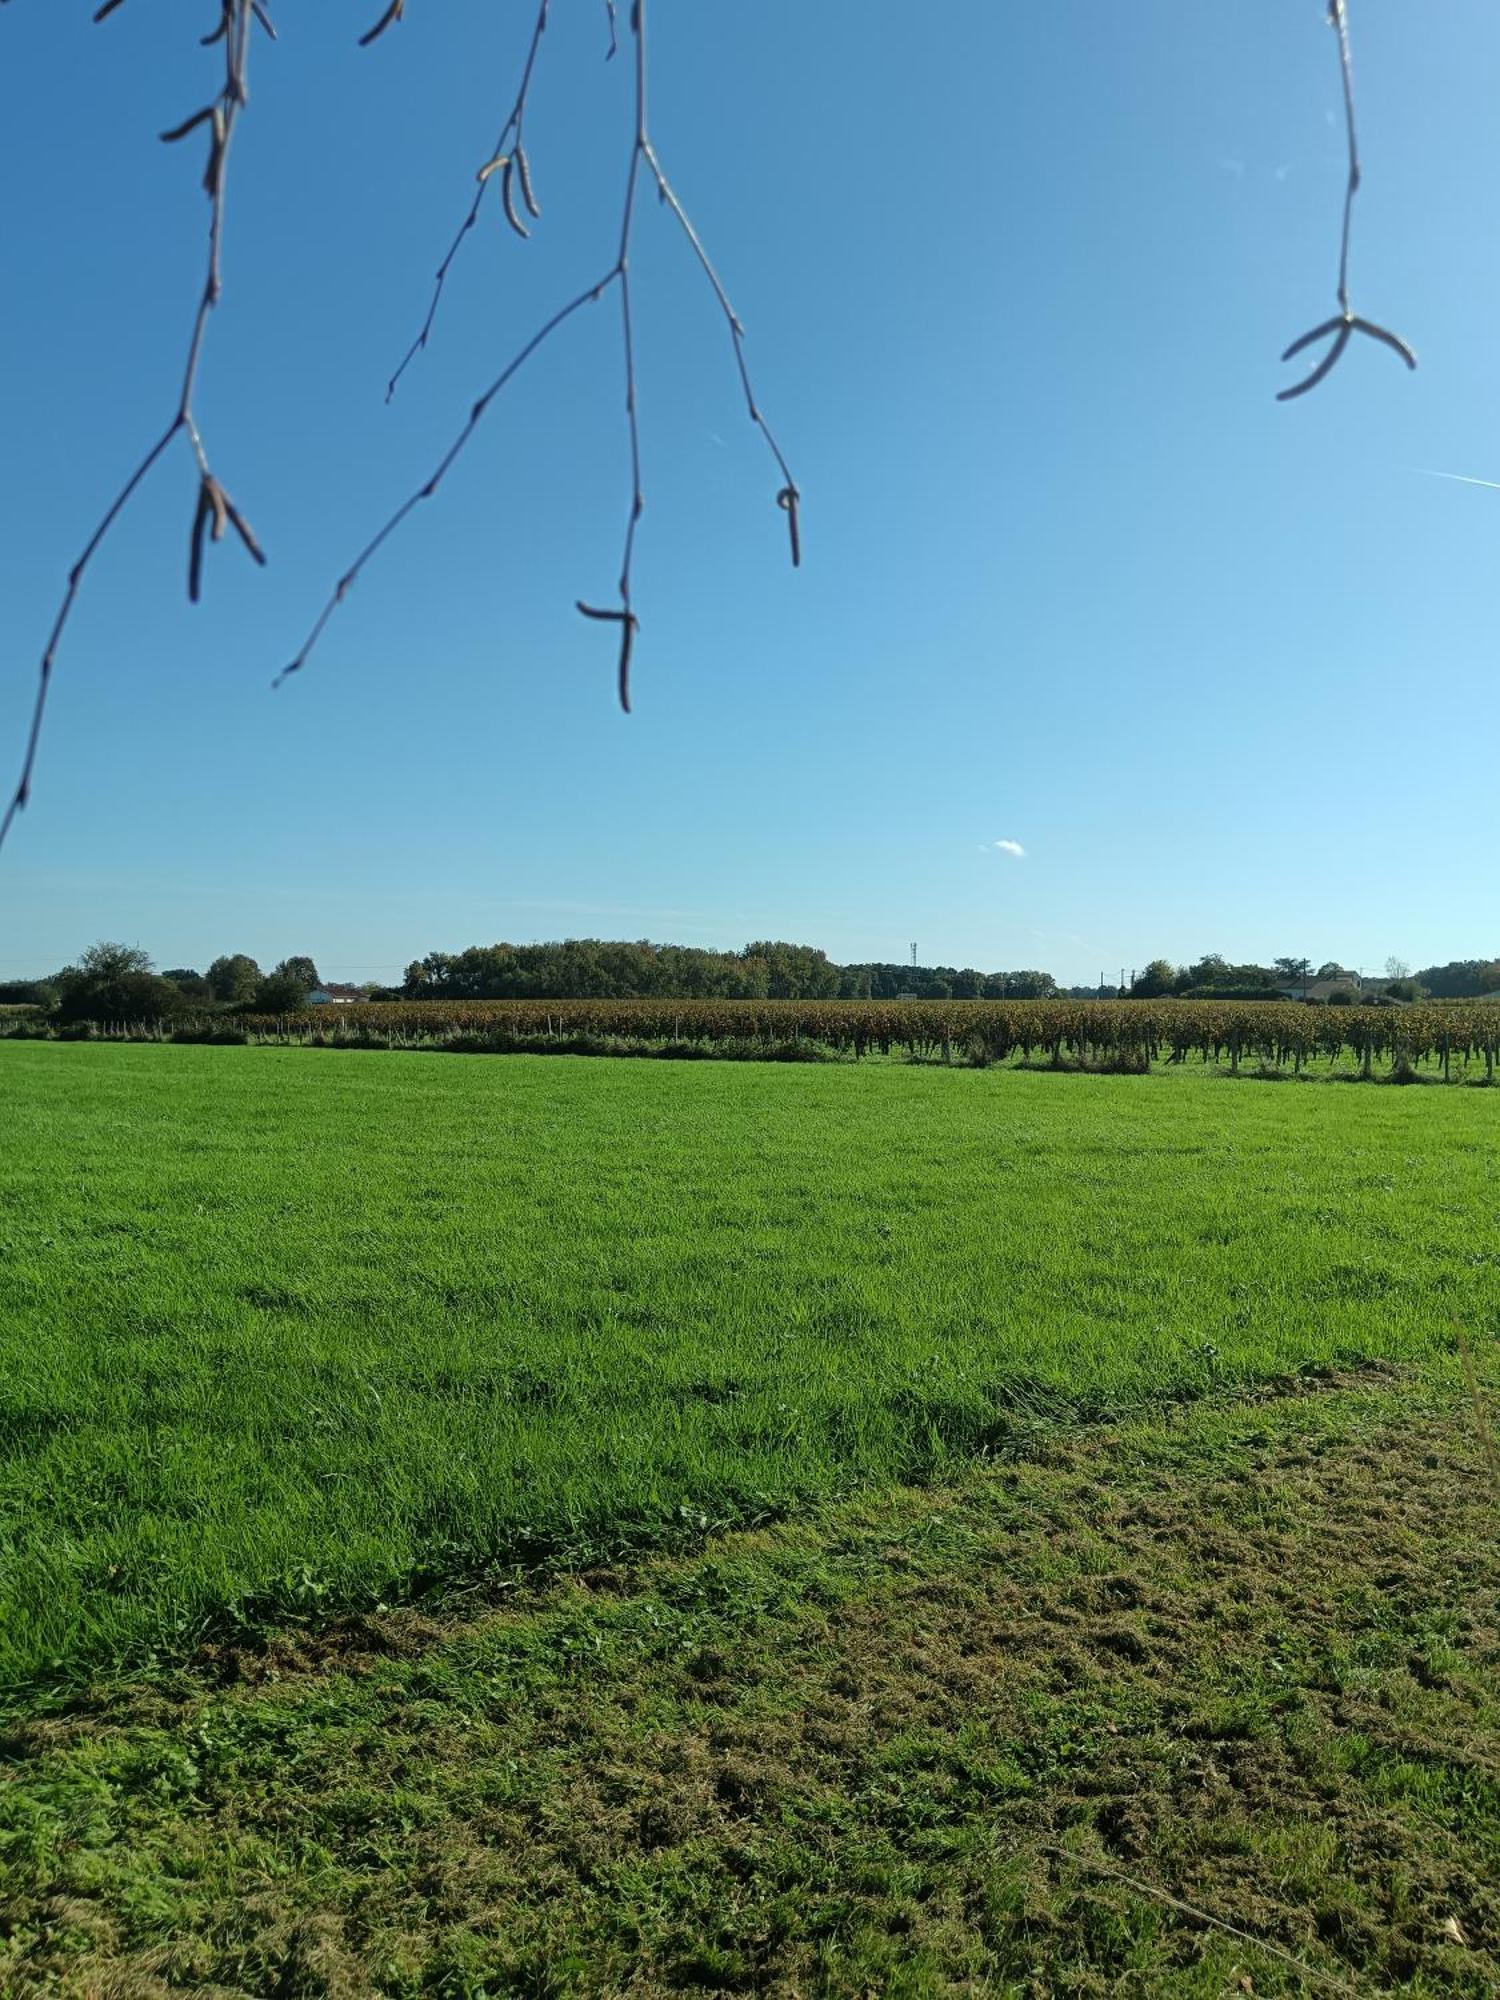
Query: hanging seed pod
[[629, 625], [218, 501], [243, 529], [188, 125], [508, 197], [523, 168], [388, 19], [195, 545], [788, 500]]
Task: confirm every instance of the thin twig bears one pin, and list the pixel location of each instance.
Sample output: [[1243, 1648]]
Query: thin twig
[[425, 492], [789, 497], [639, 151], [1338, 17], [642, 154], [211, 501], [512, 131], [1345, 321], [1150, 1890]]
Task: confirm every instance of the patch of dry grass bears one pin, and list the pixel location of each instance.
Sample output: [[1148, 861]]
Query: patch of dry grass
[[1246, 1657]]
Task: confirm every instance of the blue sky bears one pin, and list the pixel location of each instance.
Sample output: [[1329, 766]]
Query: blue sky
[[1015, 284]]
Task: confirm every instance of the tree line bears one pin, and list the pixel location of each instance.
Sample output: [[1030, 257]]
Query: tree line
[[1214, 978], [118, 982], [768, 969]]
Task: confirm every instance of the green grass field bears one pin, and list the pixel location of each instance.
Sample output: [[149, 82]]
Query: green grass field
[[1031, 1730], [284, 1332]]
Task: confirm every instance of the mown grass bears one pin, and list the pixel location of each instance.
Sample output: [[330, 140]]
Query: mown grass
[[1204, 1704], [283, 1332]]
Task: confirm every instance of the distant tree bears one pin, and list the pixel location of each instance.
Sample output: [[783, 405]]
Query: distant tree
[[1025, 984], [300, 968], [1159, 978], [1293, 971], [279, 992], [1403, 989], [880, 981], [115, 983], [1212, 976], [754, 976], [28, 993], [427, 977], [1331, 969], [1460, 978], [113, 961], [190, 984], [796, 971], [1397, 968], [233, 980]]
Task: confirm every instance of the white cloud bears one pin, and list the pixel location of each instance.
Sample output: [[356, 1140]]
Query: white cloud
[[1011, 847]]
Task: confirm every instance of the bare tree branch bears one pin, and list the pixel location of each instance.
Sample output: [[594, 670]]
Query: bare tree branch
[[788, 498], [642, 155], [629, 624], [212, 505], [512, 132], [1346, 321], [425, 492]]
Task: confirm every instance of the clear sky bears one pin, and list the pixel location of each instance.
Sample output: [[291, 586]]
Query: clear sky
[[1015, 278]]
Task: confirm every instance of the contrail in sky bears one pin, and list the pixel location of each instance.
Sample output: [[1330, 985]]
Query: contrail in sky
[[1462, 478]]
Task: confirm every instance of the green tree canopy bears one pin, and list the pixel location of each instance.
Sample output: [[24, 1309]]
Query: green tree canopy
[[113, 961], [299, 968], [1159, 978], [233, 980], [280, 992], [114, 982]]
